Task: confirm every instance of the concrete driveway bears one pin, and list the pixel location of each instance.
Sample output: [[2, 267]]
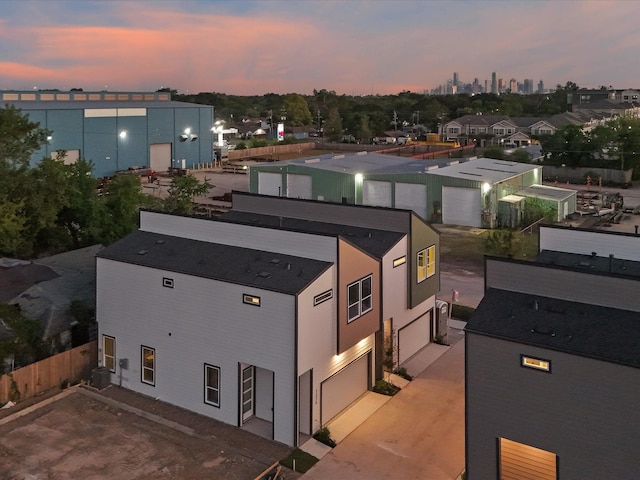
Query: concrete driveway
[[418, 434]]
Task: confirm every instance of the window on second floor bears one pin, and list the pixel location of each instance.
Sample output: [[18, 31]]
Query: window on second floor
[[359, 295], [426, 263]]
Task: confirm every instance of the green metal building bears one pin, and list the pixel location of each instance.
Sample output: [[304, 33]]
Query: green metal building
[[460, 192]]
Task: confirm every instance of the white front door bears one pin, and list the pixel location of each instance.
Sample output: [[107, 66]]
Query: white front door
[[247, 394]]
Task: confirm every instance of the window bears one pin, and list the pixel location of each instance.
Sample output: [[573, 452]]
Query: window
[[359, 298], [109, 352], [323, 297], [538, 364], [149, 365], [212, 385], [426, 263], [167, 282], [400, 261], [251, 300]]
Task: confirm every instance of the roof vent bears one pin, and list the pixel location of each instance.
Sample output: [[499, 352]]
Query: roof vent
[[275, 261], [594, 254], [263, 274], [142, 252], [159, 242]]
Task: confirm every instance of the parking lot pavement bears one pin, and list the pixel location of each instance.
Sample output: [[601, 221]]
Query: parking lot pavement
[[87, 434]]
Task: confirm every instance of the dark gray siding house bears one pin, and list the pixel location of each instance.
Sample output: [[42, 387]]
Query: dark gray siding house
[[551, 383]]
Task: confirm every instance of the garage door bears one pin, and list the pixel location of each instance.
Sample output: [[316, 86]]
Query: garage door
[[160, 156], [342, 389], [461, 206], [298, 186], [412, 196], [270, 184], [518, 461], [377, 194], [70, 156], [413, 337]]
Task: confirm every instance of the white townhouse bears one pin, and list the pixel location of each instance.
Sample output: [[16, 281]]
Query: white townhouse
[[280, 316]]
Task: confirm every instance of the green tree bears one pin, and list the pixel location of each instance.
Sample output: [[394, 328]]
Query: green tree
[[182, 193], [297, 110], [364, 132], [500, 242], [333, 126], [26, 345], [121, 202]]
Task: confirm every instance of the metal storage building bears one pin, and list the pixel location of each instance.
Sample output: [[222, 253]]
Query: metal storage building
[[460, 192], [119, 130]]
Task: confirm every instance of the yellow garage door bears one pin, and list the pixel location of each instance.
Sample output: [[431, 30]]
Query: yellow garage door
[[524, 462]]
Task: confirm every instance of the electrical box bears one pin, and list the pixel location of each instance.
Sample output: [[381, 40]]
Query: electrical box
[[124, 363]]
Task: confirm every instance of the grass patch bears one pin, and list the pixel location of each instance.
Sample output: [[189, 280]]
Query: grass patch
[[461, 312], [303, 461]]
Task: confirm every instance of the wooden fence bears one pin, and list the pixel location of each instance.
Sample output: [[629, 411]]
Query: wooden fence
[[66, 367]]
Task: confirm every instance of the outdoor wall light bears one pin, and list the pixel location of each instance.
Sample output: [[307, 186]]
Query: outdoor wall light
[[194, 138], [183, 137]]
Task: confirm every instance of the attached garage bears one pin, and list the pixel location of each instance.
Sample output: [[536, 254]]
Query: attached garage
[[413, 337], [518, 461], [344, 387], [412, 196], [461, 206], [270, 184], [160, 157], [298, 186], [376, 193]]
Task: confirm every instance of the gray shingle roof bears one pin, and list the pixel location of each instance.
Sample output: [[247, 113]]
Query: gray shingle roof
[[590, 263], [601, 333], [243, 266]]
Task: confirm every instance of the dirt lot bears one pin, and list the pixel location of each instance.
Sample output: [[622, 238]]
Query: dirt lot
[[89, 435]]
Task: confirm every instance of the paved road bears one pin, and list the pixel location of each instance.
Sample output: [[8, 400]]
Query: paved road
[[418, 434]]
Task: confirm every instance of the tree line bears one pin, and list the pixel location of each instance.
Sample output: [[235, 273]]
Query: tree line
[[371, 115]]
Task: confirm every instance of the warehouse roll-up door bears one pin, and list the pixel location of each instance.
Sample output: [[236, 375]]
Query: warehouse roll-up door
[[270, 184], [70, 156], [413, 337], [375, 193], [461, 206], [160, 157], [343, 388], [298, 186], [518, 461], [412, 196]]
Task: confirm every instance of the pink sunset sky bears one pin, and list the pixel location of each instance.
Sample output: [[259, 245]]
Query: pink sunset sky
[[352, 46]]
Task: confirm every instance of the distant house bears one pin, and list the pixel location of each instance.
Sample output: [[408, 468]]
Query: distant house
[[282, 311], [552, 361]]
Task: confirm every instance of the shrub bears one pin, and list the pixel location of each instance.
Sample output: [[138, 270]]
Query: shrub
[[402, 372], [385, 388], [461, 312], [324, 436]]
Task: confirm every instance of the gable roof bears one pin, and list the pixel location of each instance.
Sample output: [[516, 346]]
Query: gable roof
[[561, 325], [286, 274]]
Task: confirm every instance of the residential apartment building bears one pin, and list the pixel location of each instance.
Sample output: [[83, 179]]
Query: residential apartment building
[[552, 361], [282, 311]]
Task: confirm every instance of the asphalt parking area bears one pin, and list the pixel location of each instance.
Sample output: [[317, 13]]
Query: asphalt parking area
[[80, 436]]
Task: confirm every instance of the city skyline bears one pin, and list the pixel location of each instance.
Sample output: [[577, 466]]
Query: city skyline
[[351, 47]]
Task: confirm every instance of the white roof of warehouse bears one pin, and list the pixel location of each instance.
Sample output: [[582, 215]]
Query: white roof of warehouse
[[487, 170], [546, 192]]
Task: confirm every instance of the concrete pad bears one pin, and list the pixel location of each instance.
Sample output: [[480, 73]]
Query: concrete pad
[[345, 423], [315, 448], [424, 358]]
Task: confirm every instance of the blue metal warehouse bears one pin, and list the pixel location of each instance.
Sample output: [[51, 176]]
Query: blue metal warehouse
[[119, 130]]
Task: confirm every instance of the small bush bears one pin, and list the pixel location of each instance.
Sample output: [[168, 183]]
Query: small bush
[[385, 388], [303, 461], [324, 436], [402, 372]]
